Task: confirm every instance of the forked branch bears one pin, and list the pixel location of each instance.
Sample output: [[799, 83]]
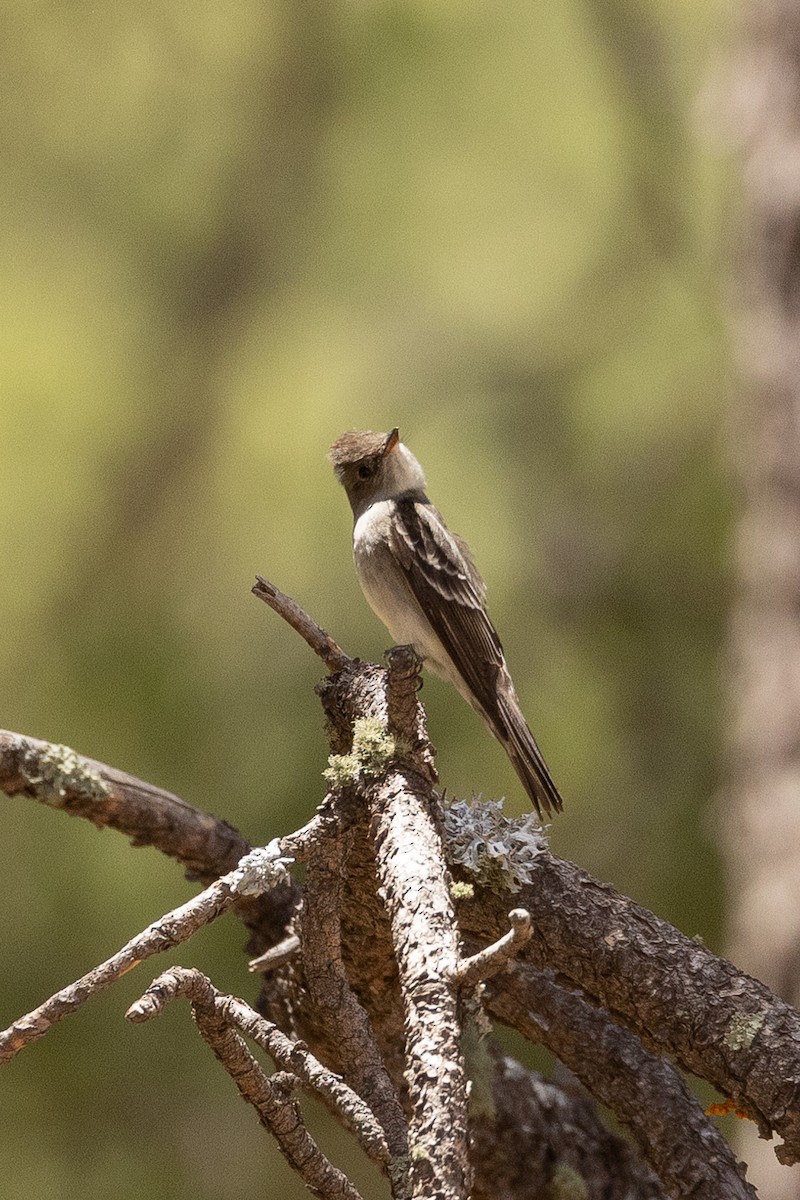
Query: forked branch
[[272, 1098], [376, 958]]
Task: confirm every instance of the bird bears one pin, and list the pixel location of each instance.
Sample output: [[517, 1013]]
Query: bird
[[420, 580]]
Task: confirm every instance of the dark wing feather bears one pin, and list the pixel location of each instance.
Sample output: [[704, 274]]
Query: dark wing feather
[[442, 577], [450, 592]]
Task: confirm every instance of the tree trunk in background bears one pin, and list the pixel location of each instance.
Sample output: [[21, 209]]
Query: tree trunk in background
[[761, 822]]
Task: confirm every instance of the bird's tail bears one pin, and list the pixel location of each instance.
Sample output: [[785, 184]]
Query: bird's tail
[[526, 757]]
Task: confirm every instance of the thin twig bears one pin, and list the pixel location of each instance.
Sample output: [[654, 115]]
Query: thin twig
[[291, 1056], [168, 931], [489, 961], [320, 642], [276, 956], [271, 1098]]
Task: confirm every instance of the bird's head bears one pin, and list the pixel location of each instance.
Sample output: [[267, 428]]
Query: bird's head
[[374, 466]]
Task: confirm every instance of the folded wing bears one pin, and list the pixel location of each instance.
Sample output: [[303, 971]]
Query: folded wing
[[446, 585]]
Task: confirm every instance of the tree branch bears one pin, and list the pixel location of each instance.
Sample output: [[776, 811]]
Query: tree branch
[[414, 884], [379, 929], [532, 1139], [292, 1056], [320, 642], [271, 1098], [487, 962], [168, 931], [644, 1090], [149, 816], [277, 955], [345, 1025], [664, 986]]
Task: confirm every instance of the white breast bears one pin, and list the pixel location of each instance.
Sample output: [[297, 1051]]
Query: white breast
[[387, 592]]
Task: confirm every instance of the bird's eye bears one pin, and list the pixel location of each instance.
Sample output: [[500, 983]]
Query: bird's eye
[[366, 470]]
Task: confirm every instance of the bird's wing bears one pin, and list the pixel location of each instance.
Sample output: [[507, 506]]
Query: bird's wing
[[443, 579], [445, 583]]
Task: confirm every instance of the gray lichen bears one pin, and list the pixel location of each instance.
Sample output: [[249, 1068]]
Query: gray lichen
[[57, 770], [498, 852], [261, 869]]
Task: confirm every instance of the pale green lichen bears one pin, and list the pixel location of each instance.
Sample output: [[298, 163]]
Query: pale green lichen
[[461, 890], [567, 1184], [373, 745], [342, 770], [742, 1030], [373, 749], [56, 771], [498, 852]]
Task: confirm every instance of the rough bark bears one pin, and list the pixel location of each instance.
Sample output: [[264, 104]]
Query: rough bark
[[378, 968]]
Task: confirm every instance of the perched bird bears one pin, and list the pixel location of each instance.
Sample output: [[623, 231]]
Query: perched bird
[[419, 578]]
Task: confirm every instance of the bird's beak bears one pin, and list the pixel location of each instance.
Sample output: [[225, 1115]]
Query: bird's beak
[[390, 443]]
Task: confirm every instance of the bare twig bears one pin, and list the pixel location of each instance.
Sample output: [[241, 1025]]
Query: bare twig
[[168, 931], [320, 642], [489, 961], [276, 956], [291, 1056], [271, 1098]]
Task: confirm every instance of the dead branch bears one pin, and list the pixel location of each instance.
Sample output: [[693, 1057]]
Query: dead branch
[[525, 1131], [490, 960], [410, 868], [381, 984], [268, 869], [414, 884], [83, 787], [644, 1090], [149, 816], [320, 642], [272, 1098], [277, 955], [341, 1021], [292, 1056], [664, 986]]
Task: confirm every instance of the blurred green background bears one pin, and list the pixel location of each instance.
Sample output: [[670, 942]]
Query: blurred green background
[[231, 232]]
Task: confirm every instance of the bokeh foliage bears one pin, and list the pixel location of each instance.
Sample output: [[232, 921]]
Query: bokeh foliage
[[231, 232]]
